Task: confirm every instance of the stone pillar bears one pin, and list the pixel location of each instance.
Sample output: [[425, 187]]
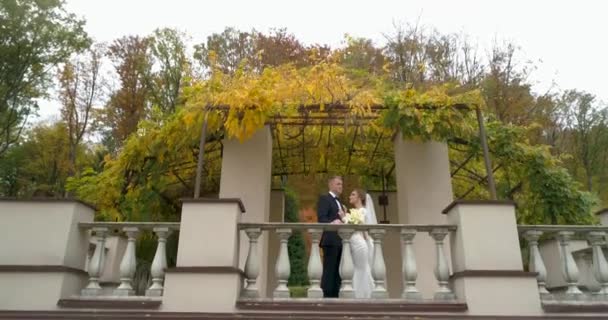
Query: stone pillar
[[206, 277], [246, 174], [603, 215], [487, 262], [424, 188], [43, 252]]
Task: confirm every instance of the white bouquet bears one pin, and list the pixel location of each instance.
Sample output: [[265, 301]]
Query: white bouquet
[[354, 216]]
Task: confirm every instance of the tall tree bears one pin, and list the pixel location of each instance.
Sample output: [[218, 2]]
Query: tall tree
[[586, 124], [279, 47], [227, 50], [36, 36], [360, 54], [40, 164], [80, 89], [506, 87], [170, 67], [128, 104], [406, 50], [421, 57]]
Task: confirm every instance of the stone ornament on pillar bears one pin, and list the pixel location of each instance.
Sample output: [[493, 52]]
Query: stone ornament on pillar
[[282, 267], [128, 264], [442, 272], [378, 265], [315, 267], [569, 268], [536, 262], [252, 264], [597, 239], [159, 264], [346, 265], [410, 273], [96, 263]]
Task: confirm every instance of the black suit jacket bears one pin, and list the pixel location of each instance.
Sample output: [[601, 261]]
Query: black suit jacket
[[327, 211]]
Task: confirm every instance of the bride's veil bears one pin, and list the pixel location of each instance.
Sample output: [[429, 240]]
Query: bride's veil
[[370, 218], [371, 212]]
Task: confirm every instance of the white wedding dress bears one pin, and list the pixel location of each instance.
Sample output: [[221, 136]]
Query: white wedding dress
[[362, 252]]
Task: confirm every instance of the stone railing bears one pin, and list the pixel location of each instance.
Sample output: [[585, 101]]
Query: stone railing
[[571, 262], [101, 230], [315, 267]]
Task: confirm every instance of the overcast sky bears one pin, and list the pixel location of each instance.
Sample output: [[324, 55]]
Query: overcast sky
[[565, 39]]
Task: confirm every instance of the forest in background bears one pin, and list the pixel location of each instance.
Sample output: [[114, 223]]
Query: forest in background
[[110, 92]]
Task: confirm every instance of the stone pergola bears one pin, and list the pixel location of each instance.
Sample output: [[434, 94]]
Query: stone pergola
[[421, 170]]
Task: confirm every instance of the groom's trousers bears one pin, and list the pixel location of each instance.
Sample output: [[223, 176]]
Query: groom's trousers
[[331, 281]]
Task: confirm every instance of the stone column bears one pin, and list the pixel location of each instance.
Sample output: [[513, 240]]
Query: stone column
[[246, 174], [43, 252], [486, 256], [206, 277], [424, 188], [603, 215]]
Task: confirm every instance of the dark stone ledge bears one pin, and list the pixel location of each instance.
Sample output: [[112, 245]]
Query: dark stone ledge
[[493, 273], [147, 314], [110, 303], [210, 269], [350, 305], [41, 268]]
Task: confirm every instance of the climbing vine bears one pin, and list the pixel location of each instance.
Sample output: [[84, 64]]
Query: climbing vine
[[342, 125]]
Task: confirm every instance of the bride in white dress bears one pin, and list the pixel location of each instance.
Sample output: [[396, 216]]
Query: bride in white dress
[[362, 246]]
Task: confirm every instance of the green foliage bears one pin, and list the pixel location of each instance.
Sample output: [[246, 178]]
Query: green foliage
[[40, 165], [168, 51], [431, 115], [551, 195], [229, 49], [151, 123], [295, 246], [298, 292], [36, 36]]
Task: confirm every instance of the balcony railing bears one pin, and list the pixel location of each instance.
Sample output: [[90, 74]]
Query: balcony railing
[[101, 230], [315, 267], [596, 238]]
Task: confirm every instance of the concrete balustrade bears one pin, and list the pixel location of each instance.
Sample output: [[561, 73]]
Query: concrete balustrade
[[595, 286], [128, 262], [379, 271], [488, 278]]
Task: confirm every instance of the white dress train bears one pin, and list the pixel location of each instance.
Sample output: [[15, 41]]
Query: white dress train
[[362, 252]]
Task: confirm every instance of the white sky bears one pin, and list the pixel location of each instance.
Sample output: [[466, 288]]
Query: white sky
[[565, 39]]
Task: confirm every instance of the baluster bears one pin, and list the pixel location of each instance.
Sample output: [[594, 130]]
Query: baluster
[[378, 266], [410, 273], [600, 267], [442, 273], [252, 264], [346, 265], [315, 267], [536, 262], [128, 264], [569, 268], [96, 263], [159, 264], [282, 267]]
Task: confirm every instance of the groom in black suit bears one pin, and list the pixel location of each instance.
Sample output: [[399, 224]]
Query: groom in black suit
[[330, 210]]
